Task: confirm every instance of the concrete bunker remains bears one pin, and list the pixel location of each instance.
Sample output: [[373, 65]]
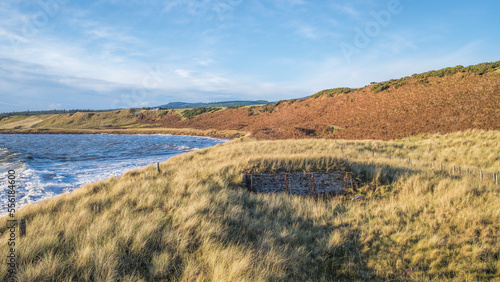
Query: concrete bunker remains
[[299, 183]]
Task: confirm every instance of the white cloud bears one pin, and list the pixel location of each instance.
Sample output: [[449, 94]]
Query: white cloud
[[204, 62], [184, 73], [288, 4], [347, 9], [308, 32]]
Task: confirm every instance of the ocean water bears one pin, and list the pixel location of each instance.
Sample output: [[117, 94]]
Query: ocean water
[[46, 165]]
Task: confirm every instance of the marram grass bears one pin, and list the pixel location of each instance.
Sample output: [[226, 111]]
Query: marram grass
[[193, 221]]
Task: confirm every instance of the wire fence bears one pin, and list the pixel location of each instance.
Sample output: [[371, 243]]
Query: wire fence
[[489, 175]]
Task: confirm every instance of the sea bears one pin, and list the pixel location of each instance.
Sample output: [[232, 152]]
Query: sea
[[46, 165]]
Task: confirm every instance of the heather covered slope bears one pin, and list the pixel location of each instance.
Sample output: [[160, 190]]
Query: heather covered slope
[[435, 105]]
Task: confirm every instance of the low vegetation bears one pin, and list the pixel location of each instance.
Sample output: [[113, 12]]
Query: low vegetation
[[334, 92], [478, 69], [193, 221], [191, 113], [48, 112]]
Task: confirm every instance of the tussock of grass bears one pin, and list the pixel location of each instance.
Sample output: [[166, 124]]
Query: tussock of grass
[[195, 222]]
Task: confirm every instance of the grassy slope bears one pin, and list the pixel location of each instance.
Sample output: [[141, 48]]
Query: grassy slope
[[442, 105], [115, 122], [194, 222]]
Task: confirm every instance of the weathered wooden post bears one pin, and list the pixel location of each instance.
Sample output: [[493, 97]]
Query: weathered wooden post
[[468, 172], [496, 178], [481, 175], [158, 167], [453, 170], [346, 182], [22, 227], [251, 182]]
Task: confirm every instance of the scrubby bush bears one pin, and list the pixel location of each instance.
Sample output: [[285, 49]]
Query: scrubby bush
[[376, 88], [270, 107], [198, 111], [334, 92], [478, 69]]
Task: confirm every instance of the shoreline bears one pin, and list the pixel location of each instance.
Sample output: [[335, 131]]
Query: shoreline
[[225, 134]]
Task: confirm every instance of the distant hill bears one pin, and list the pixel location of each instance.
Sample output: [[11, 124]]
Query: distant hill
[[183, 105]]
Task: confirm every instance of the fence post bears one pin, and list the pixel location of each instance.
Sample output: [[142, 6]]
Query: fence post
[[481, 175], [22, 227], [440, 166], [346, 182], [468, 172], [496, 178], [158, 167]]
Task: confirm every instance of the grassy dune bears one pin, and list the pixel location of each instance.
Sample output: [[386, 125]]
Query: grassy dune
[[113, 122], [193, 221]]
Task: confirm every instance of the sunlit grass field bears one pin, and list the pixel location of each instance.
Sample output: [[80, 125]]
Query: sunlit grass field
[[194, 221]]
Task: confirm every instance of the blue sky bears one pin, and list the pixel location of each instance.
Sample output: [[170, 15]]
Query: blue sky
[[61, 54]]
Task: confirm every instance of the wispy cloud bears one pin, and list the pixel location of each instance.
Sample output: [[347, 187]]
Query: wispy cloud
[[345, 8], [288, 4], [204, 62], [308, 32]]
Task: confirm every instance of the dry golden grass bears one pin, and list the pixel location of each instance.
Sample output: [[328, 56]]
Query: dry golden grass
[[16, 122], [88, 119], [193, 221], [113, 122]]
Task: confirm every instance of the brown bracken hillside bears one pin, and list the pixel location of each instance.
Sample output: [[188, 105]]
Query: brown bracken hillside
[[408, 107]]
